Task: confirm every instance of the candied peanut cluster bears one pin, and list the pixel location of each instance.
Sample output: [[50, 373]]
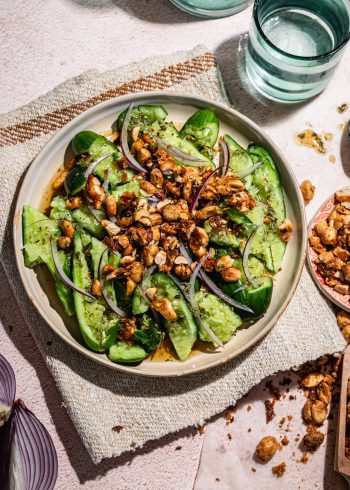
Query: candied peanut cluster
[[330, 239]]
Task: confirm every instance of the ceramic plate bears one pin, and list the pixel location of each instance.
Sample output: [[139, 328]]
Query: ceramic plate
[[180, 107], [342, 300]]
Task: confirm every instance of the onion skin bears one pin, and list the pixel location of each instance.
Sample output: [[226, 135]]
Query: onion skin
[[199, 190], [94, 164], [7, 390], [179, 155], [245, 260], [224, 157], [29, 458]]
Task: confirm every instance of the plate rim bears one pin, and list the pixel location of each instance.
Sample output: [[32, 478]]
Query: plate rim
[[199, 101], [314, 276]]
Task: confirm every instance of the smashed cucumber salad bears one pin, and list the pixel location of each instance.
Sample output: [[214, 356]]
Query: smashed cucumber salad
[[157, 231]]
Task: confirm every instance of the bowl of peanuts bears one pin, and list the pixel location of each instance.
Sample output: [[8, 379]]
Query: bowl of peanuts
[[328, 250]]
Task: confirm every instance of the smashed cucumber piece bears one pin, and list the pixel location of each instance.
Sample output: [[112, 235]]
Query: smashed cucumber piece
[[96, 146], [257, 299], [38, 231], [142, 115], [84, 218], [98, 325], [240, 160], [183, 330], [149, 334], [202, 129], [133, 186], [59, 210], [223, 237], [125, 353], [170, 135], [221, 318]]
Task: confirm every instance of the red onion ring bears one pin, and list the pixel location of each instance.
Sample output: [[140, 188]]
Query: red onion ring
[[94, 164], [64, 278], [125, 145], [245, 259], [200, 189], [195, 306], [224, 157], [250, 169], [107, 299], [179, 155], [106, 181]]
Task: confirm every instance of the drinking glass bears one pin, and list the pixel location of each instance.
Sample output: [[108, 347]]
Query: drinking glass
[[294, 46], [212, 8]]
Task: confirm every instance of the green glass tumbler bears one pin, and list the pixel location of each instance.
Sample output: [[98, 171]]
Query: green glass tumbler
[[294, 46], [212, 8]]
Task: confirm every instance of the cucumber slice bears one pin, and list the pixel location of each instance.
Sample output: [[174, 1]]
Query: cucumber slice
[[133, 186], [169, 134], [59, 210], [202, 128], [221, 318], [96, 146], [88, 221], [258, 299], [267, 188], [97, 324], [139, 303], [125, 353], [38, 231], [240, 159], [248, 226], [183, 330], [76, 180], [222, 237], [143, 115]]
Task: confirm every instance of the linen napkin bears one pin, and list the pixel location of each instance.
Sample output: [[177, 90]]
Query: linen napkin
[[98, 398]]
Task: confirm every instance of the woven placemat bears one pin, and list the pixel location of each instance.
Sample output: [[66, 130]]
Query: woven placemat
[[96, 397]]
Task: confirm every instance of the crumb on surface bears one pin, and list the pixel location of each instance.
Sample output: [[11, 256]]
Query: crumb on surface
[[117, 428], [266, 448], [269, 409], [217, 479], [249, 430], [253, 469], [307, 190], [332, 159], [305, 458], [178, 448], [202, 429], [249, 407], [229, 437], [285, 441], [279, 470]]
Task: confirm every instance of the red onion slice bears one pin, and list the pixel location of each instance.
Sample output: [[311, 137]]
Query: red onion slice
[[94, 164], [146, 276], [63, 276], [105, 295], [106, 181], [224, 157], [179, 155], [200, 189], [195, 306], [245, 259], [7, 389], [29, 459], [125, 145], [250, 169]]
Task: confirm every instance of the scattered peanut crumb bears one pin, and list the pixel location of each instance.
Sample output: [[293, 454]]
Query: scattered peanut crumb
[[343, 126], [305, 458], [269, 408], [290, 417], [282, 421], [117, 428], [217, 479], [285, 441], [253, 469], [249, 430], [229, 415], [307, 190], [328, 136], [279, 470], [266, 448], [332, 159], [229, 437], [178, 448], [202, 429], [249, 407]]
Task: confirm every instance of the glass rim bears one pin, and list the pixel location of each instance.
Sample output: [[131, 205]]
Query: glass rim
[[294, 56]]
